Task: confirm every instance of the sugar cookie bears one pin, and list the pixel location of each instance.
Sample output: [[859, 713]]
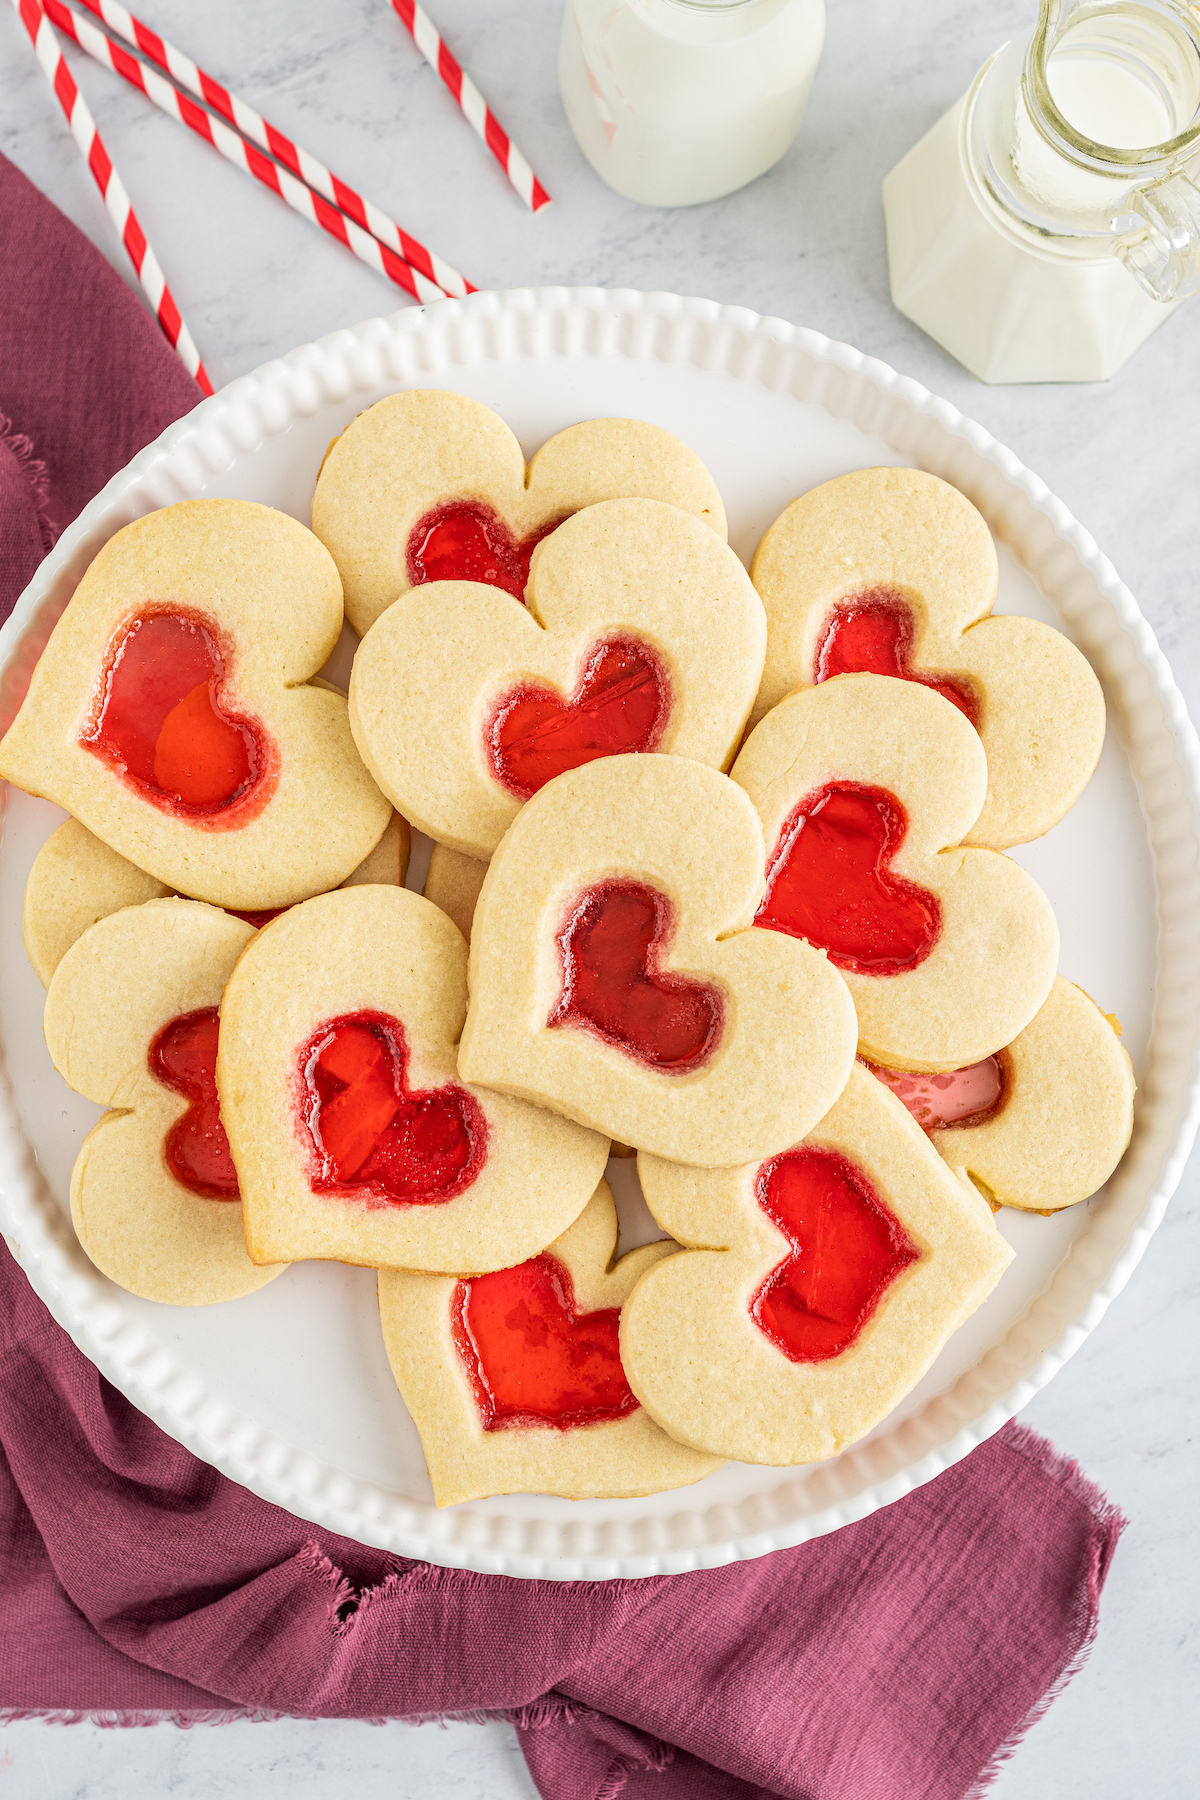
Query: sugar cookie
[[1044, 1123], [866, 787], [452, 882], [131, 1022], [540, 1406], [353, 1139], [430, 486], [642, 633], [172, 712], [893, 571], [613, 977], [76, 880], [824, 1283]]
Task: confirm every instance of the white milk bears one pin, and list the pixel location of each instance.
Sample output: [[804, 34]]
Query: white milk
[[678, 101], [1003, 222]]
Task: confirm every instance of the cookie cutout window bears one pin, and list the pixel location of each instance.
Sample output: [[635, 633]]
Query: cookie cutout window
[[183, 1056], [533, 1357], [369, 1133], [160, 721], [611, 946], [846, 1250]]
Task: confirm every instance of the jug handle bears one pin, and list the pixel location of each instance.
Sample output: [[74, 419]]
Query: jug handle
[[1160, 238]]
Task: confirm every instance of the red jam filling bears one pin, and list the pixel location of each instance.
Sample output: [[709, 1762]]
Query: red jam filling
[[611, 948], [464, 540], [621, 705], [258, 919], [371, 1136], [872, 634], [531, 1358], [184, 1058], [159, 721], [847, 1249], [828, 880], [969, 1096]]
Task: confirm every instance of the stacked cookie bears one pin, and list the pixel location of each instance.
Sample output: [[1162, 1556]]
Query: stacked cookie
[[791, 970]]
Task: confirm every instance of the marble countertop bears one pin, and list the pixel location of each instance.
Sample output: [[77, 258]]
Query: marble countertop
[[805, 242]]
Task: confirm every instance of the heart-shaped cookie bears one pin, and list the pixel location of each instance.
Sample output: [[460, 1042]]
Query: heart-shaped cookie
[[77, 880], [431, 486], [172, 711], [1043, 1124], [866, 787], [131, 1022], [823, 1284], [893, 572], [515, 1381], [642, 633], [614, 978], [353, 1137]]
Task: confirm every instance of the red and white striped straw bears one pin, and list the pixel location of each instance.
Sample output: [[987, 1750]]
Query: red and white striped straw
[[475, 108], [116, 200], [243, 155], [309, 169]]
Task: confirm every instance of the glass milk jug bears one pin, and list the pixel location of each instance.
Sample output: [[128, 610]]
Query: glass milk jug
[[1050, 221], [677, 101]]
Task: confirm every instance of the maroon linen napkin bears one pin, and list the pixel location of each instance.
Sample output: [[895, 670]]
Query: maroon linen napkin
[[901, 1656], [86, 377]]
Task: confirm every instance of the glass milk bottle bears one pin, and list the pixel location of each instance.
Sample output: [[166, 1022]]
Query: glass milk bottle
[[1050, 221], [677, 101]]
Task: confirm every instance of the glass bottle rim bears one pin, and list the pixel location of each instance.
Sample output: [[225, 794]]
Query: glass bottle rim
[[1086, 150]]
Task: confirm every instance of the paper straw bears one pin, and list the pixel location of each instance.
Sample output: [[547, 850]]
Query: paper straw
[[311, 172], [112, 189], [243, 155], [475, 108]]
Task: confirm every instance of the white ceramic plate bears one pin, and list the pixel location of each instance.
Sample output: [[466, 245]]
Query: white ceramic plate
[[288, 1390]]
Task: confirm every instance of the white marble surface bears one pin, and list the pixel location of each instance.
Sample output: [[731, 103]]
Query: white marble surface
[[805, 242]]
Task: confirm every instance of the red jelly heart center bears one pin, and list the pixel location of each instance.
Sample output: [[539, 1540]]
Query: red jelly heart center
[[847, 1249], [968, 1096], [828, 880], [184, 1058], [621, 705], [531, 1358], [258, 919], [464, 540], [370, 1134], [873, 634], [160, 722], [610, 948]]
